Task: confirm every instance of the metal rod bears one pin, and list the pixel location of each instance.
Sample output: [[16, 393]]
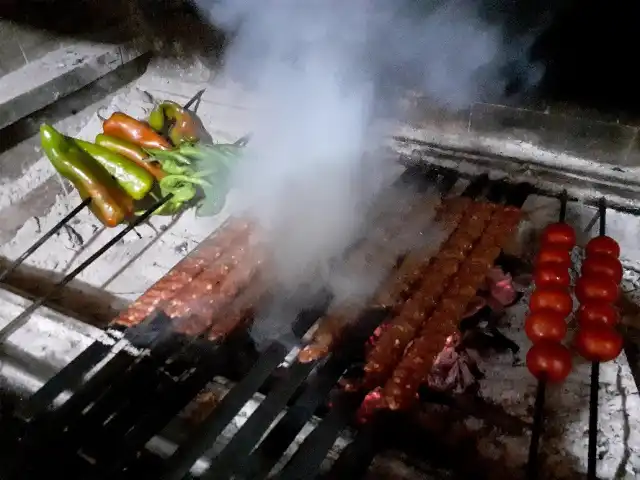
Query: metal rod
[[243, 141], [196, 98], [602, 207], [593, 421], [532, 469], [67, 379], [592, 458], [21, 319], [564, 196], [315, 394], [538, 421], [308, 459], [179, 464], [16, 263], [243, 442]]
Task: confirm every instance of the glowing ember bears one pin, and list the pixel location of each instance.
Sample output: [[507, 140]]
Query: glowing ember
[[377, 333], [372, 403], [502, 292]]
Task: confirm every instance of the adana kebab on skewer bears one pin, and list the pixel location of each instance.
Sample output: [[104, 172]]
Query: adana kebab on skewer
[[389, 348], [385, 251], [223, 314], [241, 310], [184, 272], [215, 289], [413, 267], [414, 368]]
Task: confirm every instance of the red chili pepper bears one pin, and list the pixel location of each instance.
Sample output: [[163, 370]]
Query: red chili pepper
[[121, 125]]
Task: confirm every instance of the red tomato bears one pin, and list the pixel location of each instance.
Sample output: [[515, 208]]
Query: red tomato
[[559, 235], [597, 288], [603, 244], [597, 313], [599, 264], [545, 325], [551, 275], [554, 254], [550, 361], [597, 343], [555, 299]]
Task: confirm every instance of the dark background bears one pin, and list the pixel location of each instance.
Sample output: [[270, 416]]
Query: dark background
[[589, 48]]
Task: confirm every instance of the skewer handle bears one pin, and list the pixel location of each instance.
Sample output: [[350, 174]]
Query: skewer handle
[[538, 422]]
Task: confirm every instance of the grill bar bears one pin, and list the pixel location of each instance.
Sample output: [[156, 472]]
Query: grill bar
[[271, 449], [69, 377], [181, 461]]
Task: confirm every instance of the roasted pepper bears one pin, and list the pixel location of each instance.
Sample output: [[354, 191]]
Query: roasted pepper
[[176, 122], [109, 202], [132, 152], [121, 125], [133, 179]]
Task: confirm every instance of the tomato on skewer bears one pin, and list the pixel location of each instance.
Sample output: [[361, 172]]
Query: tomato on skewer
[[555, 299], [596, 288], [559, 235], [597, 313], [600, 264], [549, 361], [598, 343], [551, 275], [603, 244], [545, 325], [554, 254]]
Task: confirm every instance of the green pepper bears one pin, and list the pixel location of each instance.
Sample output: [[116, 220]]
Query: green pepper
[[132, 151], [109, 203], [177, 122], [133, 178]]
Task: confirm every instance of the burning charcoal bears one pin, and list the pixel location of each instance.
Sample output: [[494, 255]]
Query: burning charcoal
[[489, 338], [502, 292], [512, 265], [455, 369], [144, 334], [371, 404]]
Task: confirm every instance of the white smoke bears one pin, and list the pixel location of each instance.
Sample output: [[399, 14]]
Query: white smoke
[[323, 71]]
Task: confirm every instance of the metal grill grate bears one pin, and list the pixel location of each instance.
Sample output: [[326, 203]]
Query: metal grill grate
[[101, 430]]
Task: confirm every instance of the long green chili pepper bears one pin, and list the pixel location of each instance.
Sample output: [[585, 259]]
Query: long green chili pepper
[[109, 203], [133, 178], [132, 151]]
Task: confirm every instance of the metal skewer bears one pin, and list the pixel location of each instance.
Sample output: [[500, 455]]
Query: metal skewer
[[21, 319], [595, 380], [16, 263], [196, 98], [532, 469]]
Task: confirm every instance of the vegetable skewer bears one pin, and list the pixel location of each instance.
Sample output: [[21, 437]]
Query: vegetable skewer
[[548, 359], [597, 340]]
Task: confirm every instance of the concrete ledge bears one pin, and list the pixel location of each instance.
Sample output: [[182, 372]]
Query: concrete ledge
[[57, 74]]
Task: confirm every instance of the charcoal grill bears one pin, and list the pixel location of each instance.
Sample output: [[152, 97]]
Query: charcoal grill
[[125, 388]]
